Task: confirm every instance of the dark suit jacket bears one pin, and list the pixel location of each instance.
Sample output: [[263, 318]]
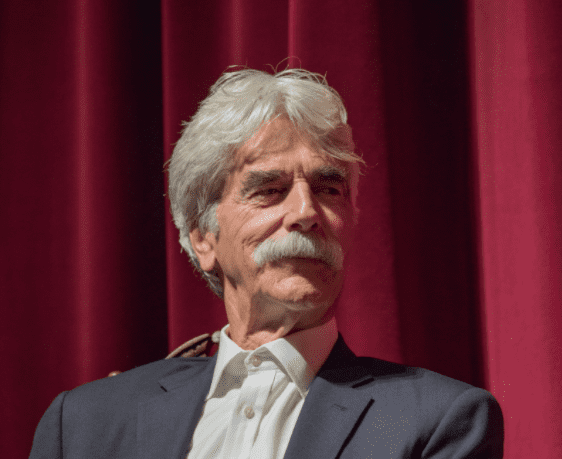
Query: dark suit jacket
[[357, 407]]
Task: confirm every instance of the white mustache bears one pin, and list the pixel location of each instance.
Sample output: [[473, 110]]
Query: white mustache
[[298, 245]]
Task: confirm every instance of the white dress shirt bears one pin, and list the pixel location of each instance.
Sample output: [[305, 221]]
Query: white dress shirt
[[256, 396]]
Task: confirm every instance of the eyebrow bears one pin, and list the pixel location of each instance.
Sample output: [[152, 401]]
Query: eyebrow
[[258, 179], [321, 175], [329, 174]]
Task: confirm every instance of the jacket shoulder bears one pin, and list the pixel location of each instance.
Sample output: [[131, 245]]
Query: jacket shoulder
[[129, 387], [415, 412], [430, 401], [421, 380], [100, 418]]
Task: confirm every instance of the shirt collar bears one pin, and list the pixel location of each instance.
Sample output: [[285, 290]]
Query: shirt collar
[[300, 354]]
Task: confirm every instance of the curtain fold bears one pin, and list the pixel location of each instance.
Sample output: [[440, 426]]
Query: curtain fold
[[517, 100], [82, 276], [455, 106]]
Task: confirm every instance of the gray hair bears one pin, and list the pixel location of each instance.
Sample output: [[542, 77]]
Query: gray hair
[[237, 106]]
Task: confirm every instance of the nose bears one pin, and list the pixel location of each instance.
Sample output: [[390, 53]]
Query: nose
[[302, 214]]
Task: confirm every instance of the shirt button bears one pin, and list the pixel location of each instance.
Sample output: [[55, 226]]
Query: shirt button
[[256, 360], [249, 412]]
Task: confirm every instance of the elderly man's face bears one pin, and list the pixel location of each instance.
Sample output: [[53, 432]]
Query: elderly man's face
[[282, 184]]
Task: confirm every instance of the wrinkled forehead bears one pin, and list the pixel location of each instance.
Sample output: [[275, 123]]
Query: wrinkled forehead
[[273, 138], [277, 137]]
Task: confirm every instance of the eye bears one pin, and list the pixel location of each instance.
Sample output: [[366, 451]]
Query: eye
[[331, 190], [269, 191], [268, 194]]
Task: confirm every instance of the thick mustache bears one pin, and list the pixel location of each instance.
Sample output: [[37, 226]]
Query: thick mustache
[[299, 245]]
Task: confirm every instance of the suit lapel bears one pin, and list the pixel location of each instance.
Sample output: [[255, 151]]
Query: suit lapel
[[331, 410], [166, 422], [332, 407]]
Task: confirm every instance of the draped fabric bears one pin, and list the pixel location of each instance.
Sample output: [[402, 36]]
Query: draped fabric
[[455, 106]]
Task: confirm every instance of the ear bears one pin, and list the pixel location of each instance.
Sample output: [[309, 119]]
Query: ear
[[204, 247]]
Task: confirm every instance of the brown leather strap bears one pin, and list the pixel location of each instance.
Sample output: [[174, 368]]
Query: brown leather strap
[[196, 347]]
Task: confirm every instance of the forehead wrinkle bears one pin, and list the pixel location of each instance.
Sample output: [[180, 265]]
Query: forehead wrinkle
[[266, 140], [276, 136], [251, 154]]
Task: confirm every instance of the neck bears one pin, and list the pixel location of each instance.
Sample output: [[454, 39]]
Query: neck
[[265, 320]]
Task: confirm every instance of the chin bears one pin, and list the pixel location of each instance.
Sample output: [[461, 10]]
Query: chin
[[305, 286], [298, 294]]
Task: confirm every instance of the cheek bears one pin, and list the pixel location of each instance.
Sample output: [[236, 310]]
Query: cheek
[[259, 224], [339, 220], [341, 227], [245, 228], [265, 221]]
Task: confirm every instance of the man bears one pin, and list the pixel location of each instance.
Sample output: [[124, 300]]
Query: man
[[263, 186]]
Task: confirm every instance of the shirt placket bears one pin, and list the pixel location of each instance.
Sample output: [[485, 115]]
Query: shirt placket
[[247, 416]]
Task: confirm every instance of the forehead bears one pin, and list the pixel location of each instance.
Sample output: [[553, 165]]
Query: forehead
[[278, 145]]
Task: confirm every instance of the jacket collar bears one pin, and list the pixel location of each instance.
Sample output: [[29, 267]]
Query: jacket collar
[[332, 408]]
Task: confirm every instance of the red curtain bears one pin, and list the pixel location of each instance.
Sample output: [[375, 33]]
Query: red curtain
[[456, 107]]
